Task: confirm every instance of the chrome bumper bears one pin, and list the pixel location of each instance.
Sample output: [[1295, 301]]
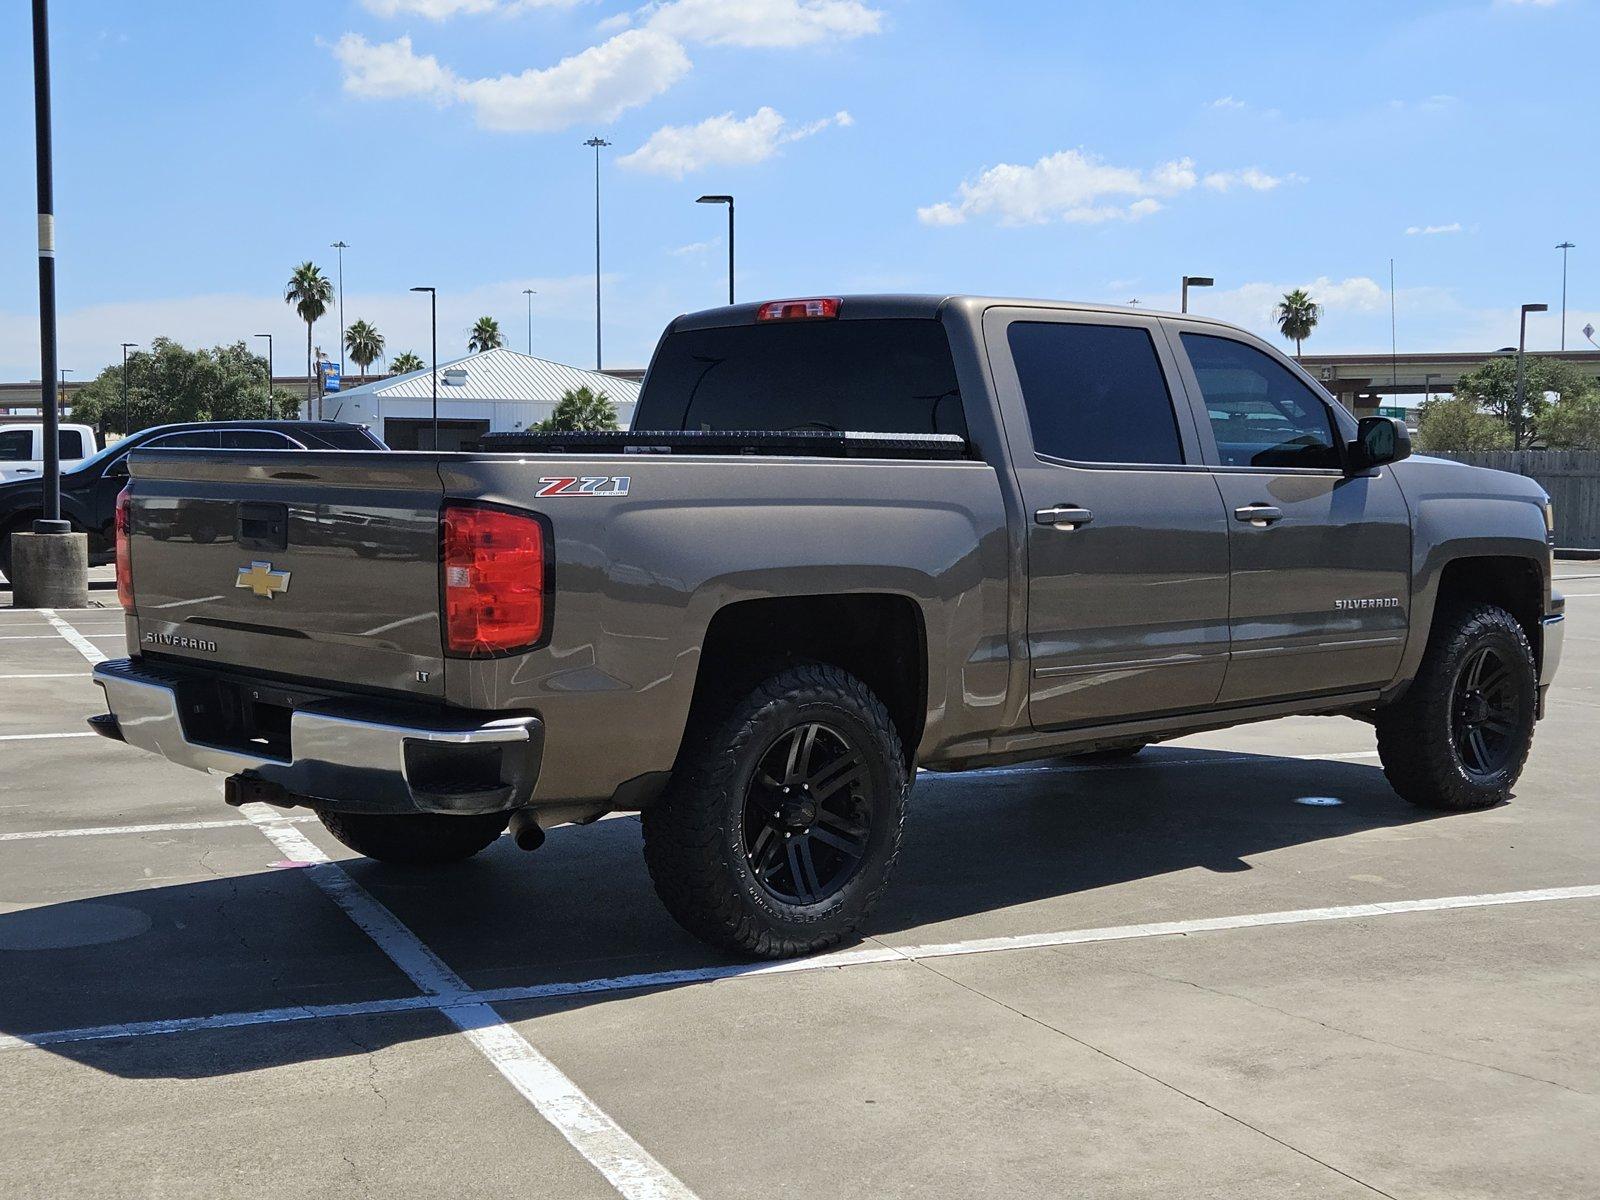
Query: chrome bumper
[[1554, 633], [337, 758]]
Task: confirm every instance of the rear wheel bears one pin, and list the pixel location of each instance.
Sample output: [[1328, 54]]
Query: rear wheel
[[1459, 736], [415, 839], [781, 825]]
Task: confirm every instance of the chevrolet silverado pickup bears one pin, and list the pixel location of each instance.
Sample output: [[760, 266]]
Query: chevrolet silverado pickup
[[845, 538]]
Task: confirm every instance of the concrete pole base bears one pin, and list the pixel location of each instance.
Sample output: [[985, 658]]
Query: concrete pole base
[[49, 570]]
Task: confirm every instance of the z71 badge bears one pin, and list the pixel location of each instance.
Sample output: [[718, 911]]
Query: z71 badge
[[583, 485]]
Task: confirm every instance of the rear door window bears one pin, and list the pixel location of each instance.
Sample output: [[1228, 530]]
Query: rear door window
[[254, 439], [69, 444], [16, 445], [877, 376], [1095, 393], [1261, 415]]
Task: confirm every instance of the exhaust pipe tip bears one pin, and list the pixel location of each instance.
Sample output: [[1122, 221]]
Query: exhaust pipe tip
[[525, 830]]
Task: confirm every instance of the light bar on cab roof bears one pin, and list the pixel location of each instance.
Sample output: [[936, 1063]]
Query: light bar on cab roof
[[818, 309]]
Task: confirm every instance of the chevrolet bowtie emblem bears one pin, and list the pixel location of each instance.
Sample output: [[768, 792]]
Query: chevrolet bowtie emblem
[[261, 579]]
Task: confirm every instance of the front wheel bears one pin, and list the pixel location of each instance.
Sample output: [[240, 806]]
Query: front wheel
[[1459, 736], [782, 823], [415, 839]]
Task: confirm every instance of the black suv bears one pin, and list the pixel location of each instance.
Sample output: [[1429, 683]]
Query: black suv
[[89, 492]]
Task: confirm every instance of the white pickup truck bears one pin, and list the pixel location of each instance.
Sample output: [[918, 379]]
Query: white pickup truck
[[22, 448]]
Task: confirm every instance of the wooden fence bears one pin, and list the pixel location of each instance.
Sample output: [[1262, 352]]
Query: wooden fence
[[1572, 477]]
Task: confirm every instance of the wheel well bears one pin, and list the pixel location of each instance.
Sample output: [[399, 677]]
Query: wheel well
[[877, 637], [1515, 584]]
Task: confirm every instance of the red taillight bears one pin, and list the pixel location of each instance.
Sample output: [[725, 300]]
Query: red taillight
[[124, 555], [798, 310], [494, 576]]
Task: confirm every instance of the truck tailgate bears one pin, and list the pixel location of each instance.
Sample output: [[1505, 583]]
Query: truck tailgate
[[320, 565]]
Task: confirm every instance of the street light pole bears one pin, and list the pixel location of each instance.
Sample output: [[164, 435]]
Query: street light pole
[[728, 200], [341, 246], [598, 143], [433, 313], [1522, 346], [1190, 281], [530, 294], [1564, 247], [268, 336], [49, 397], [127, 417]]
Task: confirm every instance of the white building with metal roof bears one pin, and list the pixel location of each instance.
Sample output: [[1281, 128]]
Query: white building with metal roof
[[498, 391]]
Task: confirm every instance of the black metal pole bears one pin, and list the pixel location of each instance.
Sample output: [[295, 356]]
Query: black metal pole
[[730, 249], [127, 417], [49, 374], [597, 142], [433, 312]]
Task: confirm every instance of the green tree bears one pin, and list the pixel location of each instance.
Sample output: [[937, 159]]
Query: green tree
[[581, 411], [169, 383], [1573, 422], [309, 292], [1297, 315], [364, 344], [1458, 423], [485, 335], [405, 361], [1493, 387]]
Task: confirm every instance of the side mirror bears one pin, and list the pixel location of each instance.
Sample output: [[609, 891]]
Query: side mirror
[[1379, 440]]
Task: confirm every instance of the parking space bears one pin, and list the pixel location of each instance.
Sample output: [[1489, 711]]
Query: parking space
[[1236, 966]]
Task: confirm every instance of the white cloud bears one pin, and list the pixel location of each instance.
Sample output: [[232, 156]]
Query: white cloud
[[597, 84], [1453, 227], [442, 10], [1072, 185], [762, 23], [389, 70], [676, 150], [1227, 102], [694, 248]]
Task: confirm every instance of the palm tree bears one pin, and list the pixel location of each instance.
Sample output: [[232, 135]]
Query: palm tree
[[310, 292], [581, 411], [486, 335], [1297, 314], [405, 361], [365, 345]]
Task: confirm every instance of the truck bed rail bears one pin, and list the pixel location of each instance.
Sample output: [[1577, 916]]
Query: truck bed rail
[[807, 443]]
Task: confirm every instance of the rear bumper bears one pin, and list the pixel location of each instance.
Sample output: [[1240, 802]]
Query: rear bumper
[[348, 755]]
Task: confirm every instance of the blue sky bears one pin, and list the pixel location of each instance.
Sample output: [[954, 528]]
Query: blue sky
[[1075, 150]]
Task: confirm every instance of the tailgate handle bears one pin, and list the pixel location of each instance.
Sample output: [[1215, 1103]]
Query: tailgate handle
[[264, 526]]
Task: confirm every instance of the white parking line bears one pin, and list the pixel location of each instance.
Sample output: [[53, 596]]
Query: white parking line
[[45, 737], [448, 1001], [626, 1165], [48, 675], [159, 827], [78, 642]]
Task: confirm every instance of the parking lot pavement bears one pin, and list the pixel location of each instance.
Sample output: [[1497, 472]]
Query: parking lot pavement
[[1238, 966]]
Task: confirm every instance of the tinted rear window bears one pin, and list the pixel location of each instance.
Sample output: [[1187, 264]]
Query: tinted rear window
[[1095, 393], [880, 376], [339, 439]]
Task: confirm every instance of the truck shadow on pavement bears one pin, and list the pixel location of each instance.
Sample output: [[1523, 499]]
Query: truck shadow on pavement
[[582, 907]]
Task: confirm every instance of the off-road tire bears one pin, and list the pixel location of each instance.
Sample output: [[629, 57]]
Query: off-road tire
[[415, 839], [1416, 737], [695, 835]]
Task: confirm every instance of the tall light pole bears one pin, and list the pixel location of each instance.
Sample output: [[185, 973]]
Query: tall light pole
[[1190, 281], [1522, 349], [1564, 247], [433, 313], [49, 398], [268, 336], [127, 417], [598, 143], [728, 200], [530, 294], [341, 246]]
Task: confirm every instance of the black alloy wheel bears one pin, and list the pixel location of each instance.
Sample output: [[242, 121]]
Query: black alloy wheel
[[807, 818], [1485, 713]]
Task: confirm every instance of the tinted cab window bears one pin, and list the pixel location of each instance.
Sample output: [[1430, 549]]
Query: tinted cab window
[[16, 445], [254, 439], [882, 376], [1261, 415], [1095, 393]]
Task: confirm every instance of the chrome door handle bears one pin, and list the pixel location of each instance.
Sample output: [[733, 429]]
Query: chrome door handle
[[1259, 515], [1063, 516]]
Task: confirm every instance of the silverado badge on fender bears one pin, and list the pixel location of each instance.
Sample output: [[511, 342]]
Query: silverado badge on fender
[[261, 579]]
